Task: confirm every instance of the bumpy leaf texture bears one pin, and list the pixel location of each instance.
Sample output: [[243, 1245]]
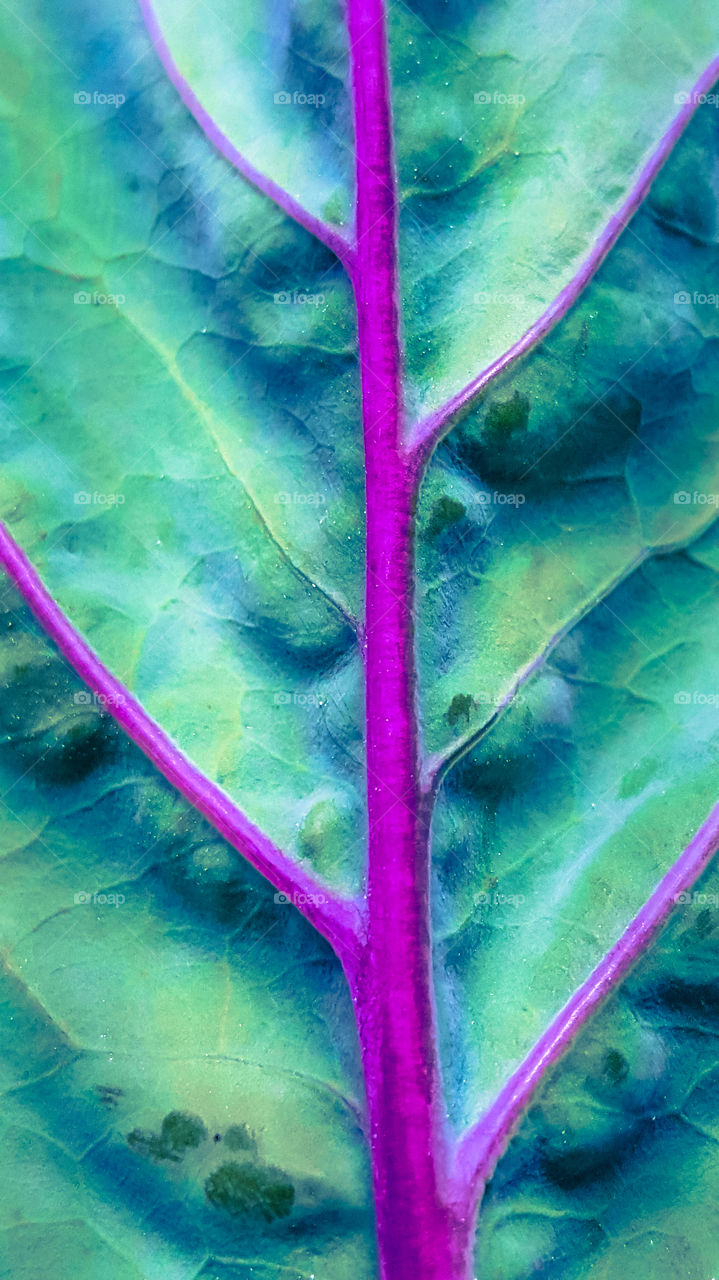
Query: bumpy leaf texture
[[181, 461]]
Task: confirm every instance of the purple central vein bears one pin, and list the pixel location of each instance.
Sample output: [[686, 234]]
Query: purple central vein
[[337, 919], [322, 230], [483, 1144], [427, 433], [418, 1233]]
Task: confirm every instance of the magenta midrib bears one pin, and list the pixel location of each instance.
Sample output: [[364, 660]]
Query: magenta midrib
[[343, 921], [394, 997]]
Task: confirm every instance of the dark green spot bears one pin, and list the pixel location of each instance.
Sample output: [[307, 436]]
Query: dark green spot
[[582, 343], [147, 1143], [507, 417], [181, 1130], [574, 1168], [461, 705], [705, 923], [80, 751], [246, 1190], [240, 1138], [108, 1094], [445, 512], [615, 1066], [493, 778], [637, 778]]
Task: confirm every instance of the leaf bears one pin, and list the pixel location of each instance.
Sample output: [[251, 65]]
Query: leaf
[[181, 463], [595, 453], [551, 834], [282, 96], [515, 144], [486, 118], [614, 1167], [166, 1020], [196, 1084]]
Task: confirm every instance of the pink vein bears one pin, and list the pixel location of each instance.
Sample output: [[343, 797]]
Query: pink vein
[[393, 992], [427, 433], [322, 230], [482, 1145], [336, 918]]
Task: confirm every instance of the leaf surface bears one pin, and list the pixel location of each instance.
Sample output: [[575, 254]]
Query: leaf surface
[[180, 431], [181, 442], [614, 1168], [167, 1021], [519, 133]]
